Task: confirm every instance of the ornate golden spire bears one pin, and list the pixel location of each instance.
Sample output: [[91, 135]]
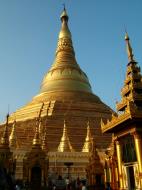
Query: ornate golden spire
[[5, 137], [129, 48], [65, 74], [88, 141], [65, 145], [64, 51], [12, 138]]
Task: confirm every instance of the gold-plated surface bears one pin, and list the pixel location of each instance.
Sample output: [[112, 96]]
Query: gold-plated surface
[[65, 73], [65, 145], [65, 90], [64, 81], [88, 140], [66, 93]]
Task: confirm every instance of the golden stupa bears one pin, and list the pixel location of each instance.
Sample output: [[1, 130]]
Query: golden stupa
[[65, 94]]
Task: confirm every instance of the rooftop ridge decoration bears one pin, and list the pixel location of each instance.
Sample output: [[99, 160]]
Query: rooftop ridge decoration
[[131, 93], [65, 145]]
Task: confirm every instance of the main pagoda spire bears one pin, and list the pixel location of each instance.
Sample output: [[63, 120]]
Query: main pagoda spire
[[65, 74]]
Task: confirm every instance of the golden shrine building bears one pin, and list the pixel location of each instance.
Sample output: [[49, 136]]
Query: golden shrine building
[[66, 131]]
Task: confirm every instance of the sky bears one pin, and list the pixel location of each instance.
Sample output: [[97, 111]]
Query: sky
[[28, 39]]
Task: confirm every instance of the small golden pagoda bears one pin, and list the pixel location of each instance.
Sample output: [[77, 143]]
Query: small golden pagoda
[[88, 140], [65, 145], [126, 128], [65, 92]]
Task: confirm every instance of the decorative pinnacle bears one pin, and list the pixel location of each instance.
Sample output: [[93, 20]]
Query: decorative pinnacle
[[88, 140], [129, 48], [65, 145]]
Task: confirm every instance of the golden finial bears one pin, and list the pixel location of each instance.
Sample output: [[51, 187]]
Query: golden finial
[[65, 145], [4, 138], [12, 138], [129, 48], [65, 32], [88, 140], [64, 15]]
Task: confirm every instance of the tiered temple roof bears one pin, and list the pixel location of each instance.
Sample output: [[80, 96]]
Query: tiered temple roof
[[130, 106]]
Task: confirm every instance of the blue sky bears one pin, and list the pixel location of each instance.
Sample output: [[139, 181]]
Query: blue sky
[[28, 38]]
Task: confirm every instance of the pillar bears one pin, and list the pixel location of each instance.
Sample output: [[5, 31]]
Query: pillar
[[119, 160], [138, 146]]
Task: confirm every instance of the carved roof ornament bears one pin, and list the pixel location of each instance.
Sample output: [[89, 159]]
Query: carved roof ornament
[[129, 48], [65, 145], [5, 136], [88, 140], [12, 137]]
